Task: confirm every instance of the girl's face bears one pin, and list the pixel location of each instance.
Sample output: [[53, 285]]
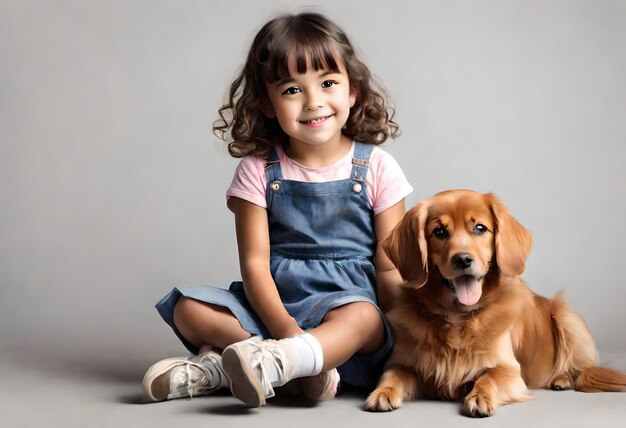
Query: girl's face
[[312, 107]]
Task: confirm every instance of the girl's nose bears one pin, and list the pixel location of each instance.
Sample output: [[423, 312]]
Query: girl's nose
[[313, 102], [311, 108]]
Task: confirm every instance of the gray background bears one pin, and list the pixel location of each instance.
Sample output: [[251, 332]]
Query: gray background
[[112, 184]]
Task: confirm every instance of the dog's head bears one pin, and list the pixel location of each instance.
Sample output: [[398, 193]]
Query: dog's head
[[462, 234]]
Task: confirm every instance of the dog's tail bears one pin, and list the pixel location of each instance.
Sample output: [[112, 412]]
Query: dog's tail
[[577, 353], [599, 379]]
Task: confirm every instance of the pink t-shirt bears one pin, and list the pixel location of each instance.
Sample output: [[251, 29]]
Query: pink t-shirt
[[386, 183]]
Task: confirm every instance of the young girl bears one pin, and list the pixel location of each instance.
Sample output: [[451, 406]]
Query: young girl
[[312, 196]]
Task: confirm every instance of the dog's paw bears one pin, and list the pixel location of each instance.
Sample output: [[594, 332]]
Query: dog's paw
[[383, 400], [562, 382], [478, 405]]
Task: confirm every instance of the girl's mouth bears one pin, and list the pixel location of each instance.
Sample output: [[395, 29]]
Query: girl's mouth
[[314, 122]]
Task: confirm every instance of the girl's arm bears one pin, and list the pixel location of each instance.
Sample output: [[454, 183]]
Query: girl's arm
[[388, 279], [253, 243]]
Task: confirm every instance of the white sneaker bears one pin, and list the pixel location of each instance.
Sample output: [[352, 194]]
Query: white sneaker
[[255, 366], [321, 387], [181, 377]]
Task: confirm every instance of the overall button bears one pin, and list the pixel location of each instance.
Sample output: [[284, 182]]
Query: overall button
[[357, 187], [276, 185]]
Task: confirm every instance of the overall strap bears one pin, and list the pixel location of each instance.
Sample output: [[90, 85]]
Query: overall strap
[[361, 160], [272, 167]]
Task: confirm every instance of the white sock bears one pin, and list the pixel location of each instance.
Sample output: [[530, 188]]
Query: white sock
[[309, 354], [308, 359]]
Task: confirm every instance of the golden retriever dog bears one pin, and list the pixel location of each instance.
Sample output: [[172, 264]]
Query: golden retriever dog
[[466, 326]]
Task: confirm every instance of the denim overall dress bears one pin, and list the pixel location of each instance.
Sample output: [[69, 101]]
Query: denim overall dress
[[322, 247]]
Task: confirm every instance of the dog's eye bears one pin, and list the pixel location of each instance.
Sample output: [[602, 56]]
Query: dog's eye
[[440, 232], [479, 229]]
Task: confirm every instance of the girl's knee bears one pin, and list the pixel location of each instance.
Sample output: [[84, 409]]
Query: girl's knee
[[204, 323], [368, 312], [373, 317], [190, 315], [371, 325], [194, 319], [184, 309], [363, 314]]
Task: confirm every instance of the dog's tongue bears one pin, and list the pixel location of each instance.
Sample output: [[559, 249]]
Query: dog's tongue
[[468, 291]]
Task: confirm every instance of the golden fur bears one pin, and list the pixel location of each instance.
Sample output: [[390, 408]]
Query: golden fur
[[466, 326]]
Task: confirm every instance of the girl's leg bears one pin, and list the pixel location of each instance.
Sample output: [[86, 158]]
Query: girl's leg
[[210, 328], [205, 324], [255, 368], [355, 328]]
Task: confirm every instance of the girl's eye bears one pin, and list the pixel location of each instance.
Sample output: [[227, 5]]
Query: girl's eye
[[290, 91], [328, 83], [440, 233], [480, 228]]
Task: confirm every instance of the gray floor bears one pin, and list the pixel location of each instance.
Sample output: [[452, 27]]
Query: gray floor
[[57, 385]]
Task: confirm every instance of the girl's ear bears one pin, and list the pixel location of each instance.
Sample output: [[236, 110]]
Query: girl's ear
[[266, 107], [354, 92]]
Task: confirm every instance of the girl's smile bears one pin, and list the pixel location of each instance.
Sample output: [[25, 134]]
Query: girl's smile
[[315, 123]]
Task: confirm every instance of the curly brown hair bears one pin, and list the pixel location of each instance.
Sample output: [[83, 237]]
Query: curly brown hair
[[314, 40]]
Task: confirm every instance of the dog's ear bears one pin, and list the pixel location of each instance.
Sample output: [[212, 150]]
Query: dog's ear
[[406, 246], [513, 241]]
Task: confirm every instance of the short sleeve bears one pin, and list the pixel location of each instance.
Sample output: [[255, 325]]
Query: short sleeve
[[387, 183], [248, 183]]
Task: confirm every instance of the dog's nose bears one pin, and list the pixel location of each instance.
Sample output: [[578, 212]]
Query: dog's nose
[[462, 260]]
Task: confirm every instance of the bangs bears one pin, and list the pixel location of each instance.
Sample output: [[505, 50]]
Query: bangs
[[308, 46]]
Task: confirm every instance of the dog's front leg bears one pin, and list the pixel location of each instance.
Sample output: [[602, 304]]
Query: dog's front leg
[[501, 384], [396, 385]]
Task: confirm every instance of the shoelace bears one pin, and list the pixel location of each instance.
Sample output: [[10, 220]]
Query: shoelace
[[267, 354], [185, 380]]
